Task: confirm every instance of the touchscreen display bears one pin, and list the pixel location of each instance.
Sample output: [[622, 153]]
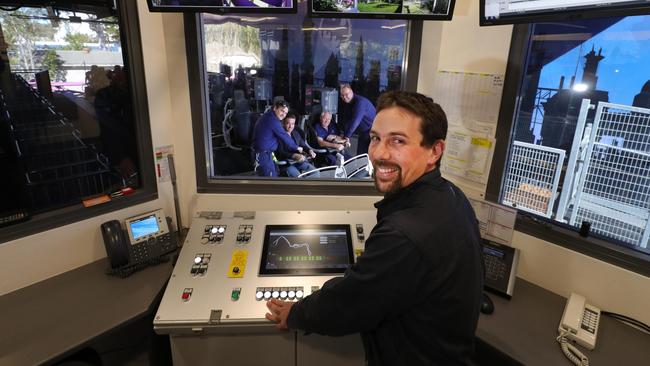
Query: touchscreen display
[[144, 226], [306, 249]]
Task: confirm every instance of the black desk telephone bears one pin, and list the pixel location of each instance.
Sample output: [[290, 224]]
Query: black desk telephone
[[146, 237]]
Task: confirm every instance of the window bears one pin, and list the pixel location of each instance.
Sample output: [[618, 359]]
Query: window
[[579, 152], [252, 63], [68, 128]]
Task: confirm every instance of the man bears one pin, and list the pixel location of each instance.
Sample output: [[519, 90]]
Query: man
[[415, 293], [358, 114], [268, 131], [300, 163], [328, 136]]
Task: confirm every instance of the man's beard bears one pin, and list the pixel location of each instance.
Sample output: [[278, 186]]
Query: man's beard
[[393, 186]]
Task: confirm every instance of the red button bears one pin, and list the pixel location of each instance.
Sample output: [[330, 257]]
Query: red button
[[185, 296]]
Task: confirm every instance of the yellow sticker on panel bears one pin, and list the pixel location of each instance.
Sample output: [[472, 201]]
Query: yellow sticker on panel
[[238, 264]]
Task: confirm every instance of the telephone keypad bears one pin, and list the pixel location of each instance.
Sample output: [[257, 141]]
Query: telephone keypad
[[589, 321], [495, 268]]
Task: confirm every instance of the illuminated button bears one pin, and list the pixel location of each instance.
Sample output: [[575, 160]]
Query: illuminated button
[[299, 294], [292, 294], [283, 295], [197, 259], [222, 229], [259, 295], [275, 294], [214, 230], [267, 295]]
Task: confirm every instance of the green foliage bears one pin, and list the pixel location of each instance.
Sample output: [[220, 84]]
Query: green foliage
[[53, 63], [76, 41], [324, 5]]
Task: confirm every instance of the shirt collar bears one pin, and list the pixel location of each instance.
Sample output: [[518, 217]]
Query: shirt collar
[[405, 196]]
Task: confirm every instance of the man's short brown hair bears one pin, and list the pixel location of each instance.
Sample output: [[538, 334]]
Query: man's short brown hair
[[434, 120]]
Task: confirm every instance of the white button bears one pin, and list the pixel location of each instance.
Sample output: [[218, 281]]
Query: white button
[[283, 295], [275, 294], [241, 231], [198, 259], [267, 294], [259, 295], [214, 230], [292, 294], [221, 229], [299, 294], [249, 230]]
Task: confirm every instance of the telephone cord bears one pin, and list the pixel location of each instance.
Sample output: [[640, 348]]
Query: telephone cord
[[571, 352]]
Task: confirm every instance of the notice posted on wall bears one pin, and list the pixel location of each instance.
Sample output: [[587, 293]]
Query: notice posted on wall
[[162, 164], [467, 155], [469, 99], [496, 222]]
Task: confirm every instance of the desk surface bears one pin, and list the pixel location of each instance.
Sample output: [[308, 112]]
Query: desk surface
[[525, 329], [42, 321]]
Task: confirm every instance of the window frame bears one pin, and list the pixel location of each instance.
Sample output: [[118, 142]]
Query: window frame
[[148, 191], [551, 231], [282, 186]]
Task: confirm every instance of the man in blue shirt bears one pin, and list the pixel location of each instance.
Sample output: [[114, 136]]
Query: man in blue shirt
[[330, 137], [268, 131], [300, 163], [358, 114]]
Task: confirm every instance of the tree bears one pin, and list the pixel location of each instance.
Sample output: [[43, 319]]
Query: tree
[[108, 31], [53, 63], [21, 32], [76, 41]]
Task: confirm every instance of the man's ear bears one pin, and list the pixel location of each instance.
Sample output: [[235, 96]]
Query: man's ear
[[436, 151]]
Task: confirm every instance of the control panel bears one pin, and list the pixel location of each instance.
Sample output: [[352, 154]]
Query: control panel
[[229, 266]]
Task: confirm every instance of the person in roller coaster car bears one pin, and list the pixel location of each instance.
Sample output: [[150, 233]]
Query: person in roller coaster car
[[414, 294], [299, 161]]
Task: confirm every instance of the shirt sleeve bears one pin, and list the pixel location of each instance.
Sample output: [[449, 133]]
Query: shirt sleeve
[[281, 134], [356, 117], [382, 284]]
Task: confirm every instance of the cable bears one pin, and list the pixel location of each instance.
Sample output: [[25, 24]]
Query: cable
[[571, 352], [626, 319]]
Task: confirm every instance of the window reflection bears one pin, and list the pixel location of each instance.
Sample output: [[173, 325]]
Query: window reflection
[[252, 62], [67, 128]]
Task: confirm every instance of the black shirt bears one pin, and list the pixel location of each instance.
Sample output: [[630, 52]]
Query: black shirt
[[414, 294]]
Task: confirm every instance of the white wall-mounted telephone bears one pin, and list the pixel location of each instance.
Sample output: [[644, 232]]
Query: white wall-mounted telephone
[[580, 324]]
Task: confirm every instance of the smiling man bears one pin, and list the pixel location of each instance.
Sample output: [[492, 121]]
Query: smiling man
[[414, 294]]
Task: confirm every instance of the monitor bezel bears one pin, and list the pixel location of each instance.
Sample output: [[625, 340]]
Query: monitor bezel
[[609, 11], [263, 271], [392, 16], [221, 9]]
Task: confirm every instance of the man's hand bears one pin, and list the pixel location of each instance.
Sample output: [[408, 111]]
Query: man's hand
[[300, 149], [298, 157], [340, 147], [279, 312], [312, 154]]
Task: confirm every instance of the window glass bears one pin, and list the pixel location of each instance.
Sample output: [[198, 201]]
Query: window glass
[[254, 63], [580, 153], [67, 126]]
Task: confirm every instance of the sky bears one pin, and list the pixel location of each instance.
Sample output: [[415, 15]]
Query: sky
[[623, 71]]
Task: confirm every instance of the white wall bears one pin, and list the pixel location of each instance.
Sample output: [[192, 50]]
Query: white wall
[[457, 45]]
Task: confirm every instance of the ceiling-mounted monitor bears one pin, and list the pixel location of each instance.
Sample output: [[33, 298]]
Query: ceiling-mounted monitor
[[223, 6], [494, 12], [383, 9]]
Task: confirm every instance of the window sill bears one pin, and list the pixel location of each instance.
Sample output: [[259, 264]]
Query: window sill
[[289, 187], [71, 214], [603, 250]]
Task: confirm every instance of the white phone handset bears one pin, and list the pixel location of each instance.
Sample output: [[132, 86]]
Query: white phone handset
[[580, 324]]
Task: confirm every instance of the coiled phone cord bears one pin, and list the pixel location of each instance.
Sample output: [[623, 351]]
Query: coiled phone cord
[[571, 352]]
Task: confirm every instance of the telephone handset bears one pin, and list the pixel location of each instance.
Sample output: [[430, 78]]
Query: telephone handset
[[580, 324], [146, 237]]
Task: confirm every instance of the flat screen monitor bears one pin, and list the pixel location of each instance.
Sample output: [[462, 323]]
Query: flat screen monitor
[[224, 6], [306, 250], [385, 9], [494, 12]]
